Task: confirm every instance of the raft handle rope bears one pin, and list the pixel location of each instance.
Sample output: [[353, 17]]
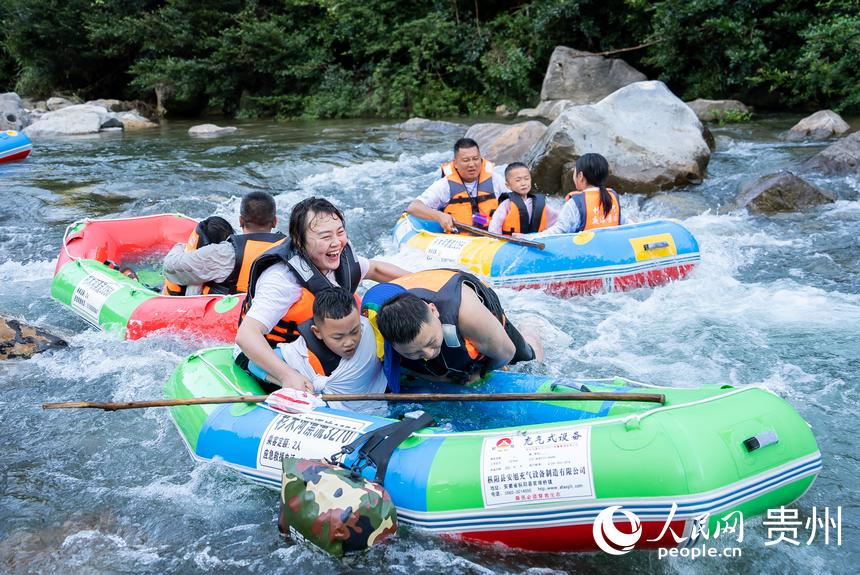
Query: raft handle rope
[[220, 375]]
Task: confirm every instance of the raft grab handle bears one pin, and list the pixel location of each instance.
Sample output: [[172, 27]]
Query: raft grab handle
[[655, 246], [760, 440]]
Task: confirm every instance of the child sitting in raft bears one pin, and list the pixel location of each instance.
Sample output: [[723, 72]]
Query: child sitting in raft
[[592, 205], [336, 351], [521, 211]]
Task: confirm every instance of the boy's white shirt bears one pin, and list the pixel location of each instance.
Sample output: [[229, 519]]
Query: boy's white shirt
[[361, 373]]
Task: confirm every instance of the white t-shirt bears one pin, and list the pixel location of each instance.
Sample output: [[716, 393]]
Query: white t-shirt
[[504, 209], [436, 196], [361, 373], [278, 289]]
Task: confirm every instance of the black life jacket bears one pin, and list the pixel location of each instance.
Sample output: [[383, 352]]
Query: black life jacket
[[247, 248], [322, 359]]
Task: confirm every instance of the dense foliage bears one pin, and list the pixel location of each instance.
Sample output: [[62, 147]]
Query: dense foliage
[[338, 58]]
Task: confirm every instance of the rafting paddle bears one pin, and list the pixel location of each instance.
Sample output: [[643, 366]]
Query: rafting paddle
[[480, 232], [412, 397]]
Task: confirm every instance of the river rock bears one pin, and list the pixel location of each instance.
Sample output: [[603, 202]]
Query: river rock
[[425, 125], [210, 130], [503, 111], [652, 139], [819, 126], [841, 157], [21, 341], [780, 192], [134, 121], [13, 114], [549, 109], [58, 103], [505, 143], [715, 110], [585, 78], [70, 121]]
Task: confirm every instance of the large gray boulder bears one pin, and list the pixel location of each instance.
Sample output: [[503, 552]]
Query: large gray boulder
[[21, 341], [13, 114], [840, 158], [821, 125], [585, 78], [71, 121], [716, 110], [506, 143], [780, 192], [652, 139], [210, 130]]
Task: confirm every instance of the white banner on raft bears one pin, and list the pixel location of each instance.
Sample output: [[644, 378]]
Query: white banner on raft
[[447, 248], [306, 435], [537, 467], [91, 294]]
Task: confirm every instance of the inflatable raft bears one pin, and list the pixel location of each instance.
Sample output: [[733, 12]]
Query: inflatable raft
[[608, 259], [14, 146], [87, 280], [541, 484]]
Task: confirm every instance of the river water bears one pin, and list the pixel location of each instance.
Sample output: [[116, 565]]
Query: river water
[[775, 302]]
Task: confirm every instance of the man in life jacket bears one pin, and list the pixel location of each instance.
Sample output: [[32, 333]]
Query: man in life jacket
[[284, 281], [520, 210], [212, 266], [447, 325], [336, 351], [467, 192]]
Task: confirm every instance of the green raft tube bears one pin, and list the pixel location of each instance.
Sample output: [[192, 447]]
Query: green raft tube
[[540, 476]]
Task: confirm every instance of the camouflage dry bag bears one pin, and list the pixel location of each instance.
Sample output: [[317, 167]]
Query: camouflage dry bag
[[335, 510]]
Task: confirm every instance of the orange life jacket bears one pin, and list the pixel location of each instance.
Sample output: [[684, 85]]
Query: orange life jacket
[[247, 247], [461, 205], [591, 214], [196, 240], [518, 220], [347, 276], [322, 359], [459, 357]]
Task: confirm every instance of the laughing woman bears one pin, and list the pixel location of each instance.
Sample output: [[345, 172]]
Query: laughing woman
[[283, 282]]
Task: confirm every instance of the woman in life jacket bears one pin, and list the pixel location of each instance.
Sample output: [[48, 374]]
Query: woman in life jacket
[[592, 205], [284, 279]]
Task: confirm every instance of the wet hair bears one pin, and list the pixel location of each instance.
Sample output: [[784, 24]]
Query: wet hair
[[465, 144], [332, 303], [514, 166], [299, 218], [214, 230], [400, 318], [258, 209], [595, 168]]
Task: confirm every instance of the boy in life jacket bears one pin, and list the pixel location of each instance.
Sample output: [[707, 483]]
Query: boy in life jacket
[[520, 210], [222, 265], [468, 191], [336, 351], [592, 205], [447, 325]]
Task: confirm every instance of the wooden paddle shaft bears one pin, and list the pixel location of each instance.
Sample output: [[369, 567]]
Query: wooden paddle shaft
[[480, 232], [413, 397]]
